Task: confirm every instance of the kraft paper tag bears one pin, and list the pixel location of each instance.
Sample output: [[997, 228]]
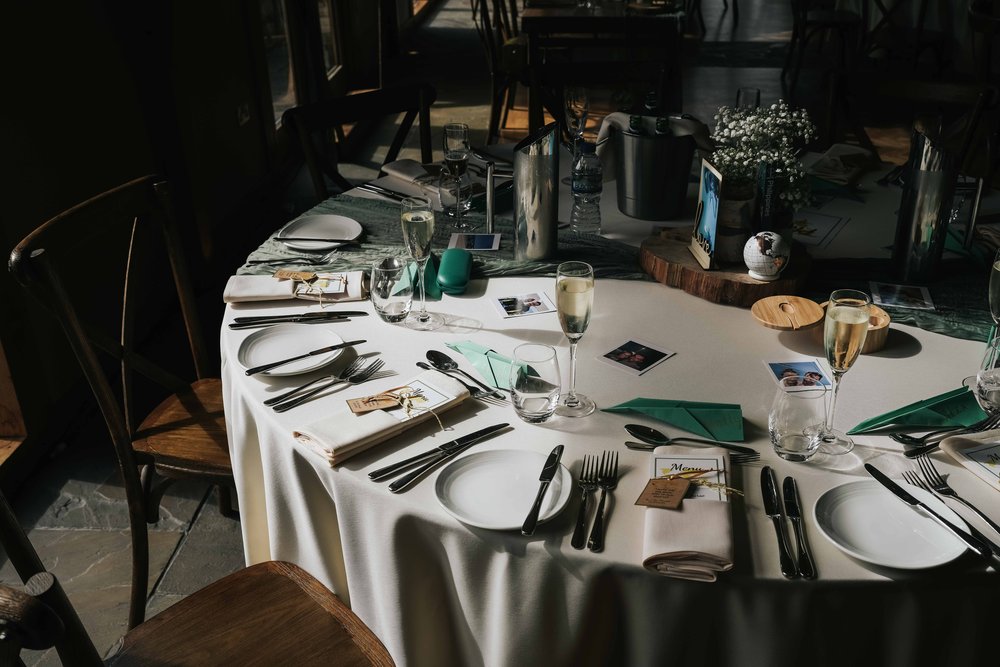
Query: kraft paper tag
[[664, 493], [368, 404], [288, 274]]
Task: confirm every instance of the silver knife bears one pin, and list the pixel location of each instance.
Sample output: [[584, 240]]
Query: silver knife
[[385, 192], [548, 472], [790, 491], [313, 353], [772, 507], [446, 448], [237, 326], [440, 455], [976, 545], [300, 316]]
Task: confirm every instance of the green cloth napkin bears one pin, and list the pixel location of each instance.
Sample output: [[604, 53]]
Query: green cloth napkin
[[720, 421], [494, 367], [957, 407], [430, 279]]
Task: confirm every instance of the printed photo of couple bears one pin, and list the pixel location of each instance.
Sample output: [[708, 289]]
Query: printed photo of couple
[[636, 356], [805, 373]]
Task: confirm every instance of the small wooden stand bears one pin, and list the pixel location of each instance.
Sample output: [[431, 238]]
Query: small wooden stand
[[667, 259]]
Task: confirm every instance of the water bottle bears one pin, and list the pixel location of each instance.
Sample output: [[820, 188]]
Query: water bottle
[[587, 183]]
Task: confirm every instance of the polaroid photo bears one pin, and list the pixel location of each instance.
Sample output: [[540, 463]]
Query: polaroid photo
[[817, 229], [475, 241], [636, 356], [707, 216], [902, 296], [809, 371], [534, 303]]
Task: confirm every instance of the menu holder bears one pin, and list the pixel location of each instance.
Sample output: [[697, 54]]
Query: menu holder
[[342, 434], [695, 541]]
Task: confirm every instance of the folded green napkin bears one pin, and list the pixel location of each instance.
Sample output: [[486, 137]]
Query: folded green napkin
[[494, 367], [430, 279], [957, 407], [720, 421]]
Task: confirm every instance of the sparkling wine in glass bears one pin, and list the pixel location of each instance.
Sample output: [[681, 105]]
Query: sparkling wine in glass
[[456, 147], [417, 219], [844, 333], [574, 303]]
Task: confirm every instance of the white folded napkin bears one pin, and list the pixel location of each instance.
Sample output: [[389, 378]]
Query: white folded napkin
[[694, 541], [341, 434], [257, 288], [409, 171]]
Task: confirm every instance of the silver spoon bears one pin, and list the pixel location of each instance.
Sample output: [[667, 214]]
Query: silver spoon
[[443, 362], [654, 438]]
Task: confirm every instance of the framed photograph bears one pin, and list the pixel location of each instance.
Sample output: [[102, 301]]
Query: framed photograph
[[707, 216], [902, 296], [810, 372], [636, 356], [523, 304]]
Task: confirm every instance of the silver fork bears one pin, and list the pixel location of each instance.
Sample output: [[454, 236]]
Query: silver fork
[[588, 484], [365, 374], [607, 479], [938, 483], [914, 479], [350, 369], [492, 397], [982, 425]]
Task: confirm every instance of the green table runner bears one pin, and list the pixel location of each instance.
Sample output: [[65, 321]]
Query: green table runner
[[383, 235]]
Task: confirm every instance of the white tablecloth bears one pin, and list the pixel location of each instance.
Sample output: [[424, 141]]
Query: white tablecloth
[[438, 592]]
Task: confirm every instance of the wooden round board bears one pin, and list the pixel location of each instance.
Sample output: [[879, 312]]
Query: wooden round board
[[787, 313], [667, 259]]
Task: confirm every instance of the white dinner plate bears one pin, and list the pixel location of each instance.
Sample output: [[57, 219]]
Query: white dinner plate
[[865, 520], [495, 489], [288, 340], [320, 226]]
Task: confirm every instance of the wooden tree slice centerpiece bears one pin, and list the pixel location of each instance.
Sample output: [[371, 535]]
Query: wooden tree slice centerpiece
[[667, 259]]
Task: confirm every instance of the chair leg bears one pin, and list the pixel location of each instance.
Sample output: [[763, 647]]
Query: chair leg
[[154, 487], [226, 506]]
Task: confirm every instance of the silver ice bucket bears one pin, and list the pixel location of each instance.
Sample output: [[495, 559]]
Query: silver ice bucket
[[536, 195]]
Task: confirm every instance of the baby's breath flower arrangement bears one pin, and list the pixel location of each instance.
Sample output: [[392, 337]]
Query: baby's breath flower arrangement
[[747, 137]]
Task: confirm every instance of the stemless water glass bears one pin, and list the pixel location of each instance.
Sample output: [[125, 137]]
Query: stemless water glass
[[988, 379], [795, 417], [391, 291], [417, 220], [534, 382], [574, 303], [844, 333]]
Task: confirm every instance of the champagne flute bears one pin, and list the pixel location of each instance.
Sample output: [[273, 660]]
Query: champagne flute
[[577, 109], [574, 303], [844, 334], [454, 183], [995, 291], [417, 220]]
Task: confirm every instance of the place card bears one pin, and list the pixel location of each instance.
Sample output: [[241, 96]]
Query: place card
[[665, 493], [289, 274], [475, 241], [982, 459]]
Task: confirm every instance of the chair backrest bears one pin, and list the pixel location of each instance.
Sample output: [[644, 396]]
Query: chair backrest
[[316, 124], [95, 268]]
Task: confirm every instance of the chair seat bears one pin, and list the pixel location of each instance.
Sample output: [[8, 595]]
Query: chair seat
[[188, 430]]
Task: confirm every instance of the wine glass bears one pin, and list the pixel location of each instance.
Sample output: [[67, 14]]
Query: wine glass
[[577, 109], [417, 220], [988, 378], [995, 290], [574, 302], [844, 334], [455, 186]]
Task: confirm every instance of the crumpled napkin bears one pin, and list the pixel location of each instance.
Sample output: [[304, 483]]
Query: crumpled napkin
[[957, 407], [493, 366], [342, 434], [719, 421], [695, 541], [257, 288]]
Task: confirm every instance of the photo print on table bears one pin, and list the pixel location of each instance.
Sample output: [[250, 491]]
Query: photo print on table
[[707, 216], [901, 296], [534, 303], [809, 370], [475, 241], [636, 356]]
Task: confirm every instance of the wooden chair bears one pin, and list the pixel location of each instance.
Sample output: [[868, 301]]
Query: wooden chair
[[272, 613], [106, 308], [820, 18], [317, 124]]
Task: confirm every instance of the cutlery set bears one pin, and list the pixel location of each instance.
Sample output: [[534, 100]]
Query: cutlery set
[[919, 446], [790, 567], [298, 318], [652, 438], [595, 475], [353, 374]]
